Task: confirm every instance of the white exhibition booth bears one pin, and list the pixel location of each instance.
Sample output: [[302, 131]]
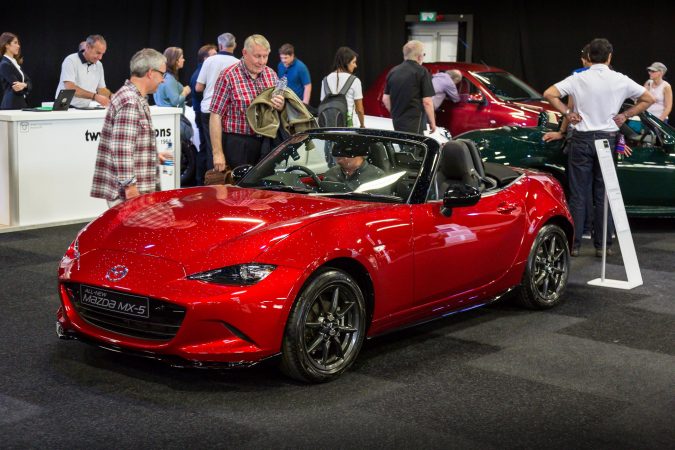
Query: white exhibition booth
[[47, 163]]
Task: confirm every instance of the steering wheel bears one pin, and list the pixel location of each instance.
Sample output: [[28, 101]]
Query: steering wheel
[[307, 171]]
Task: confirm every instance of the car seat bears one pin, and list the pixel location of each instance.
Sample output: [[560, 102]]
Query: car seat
[[475, 156], [378, 156], [455, 167]]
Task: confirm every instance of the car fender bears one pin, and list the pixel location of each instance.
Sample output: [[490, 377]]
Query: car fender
[[379, 240], [548, 206]]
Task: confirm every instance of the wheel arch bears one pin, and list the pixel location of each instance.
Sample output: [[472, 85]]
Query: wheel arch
[[566, 226], [362, 277]]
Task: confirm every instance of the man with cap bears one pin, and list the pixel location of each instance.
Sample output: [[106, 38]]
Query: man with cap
[[352, 169], [660, 90]]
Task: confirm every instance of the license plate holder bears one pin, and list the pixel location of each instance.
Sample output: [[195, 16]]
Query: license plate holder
[[114, 302]]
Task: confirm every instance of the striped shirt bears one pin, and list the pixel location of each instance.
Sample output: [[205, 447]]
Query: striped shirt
[[234, 92], [127, 152]]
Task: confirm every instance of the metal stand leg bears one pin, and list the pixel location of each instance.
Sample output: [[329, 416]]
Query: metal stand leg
[[604, 236]]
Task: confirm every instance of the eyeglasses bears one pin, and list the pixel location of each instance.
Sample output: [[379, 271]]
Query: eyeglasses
[[163, 74]]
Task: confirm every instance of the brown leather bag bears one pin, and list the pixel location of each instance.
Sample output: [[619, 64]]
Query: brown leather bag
[[212, 176]]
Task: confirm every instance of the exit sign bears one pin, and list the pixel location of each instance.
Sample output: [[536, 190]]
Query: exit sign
[[428, 16]]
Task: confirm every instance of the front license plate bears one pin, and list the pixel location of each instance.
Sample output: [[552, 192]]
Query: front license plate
[[103, 299]]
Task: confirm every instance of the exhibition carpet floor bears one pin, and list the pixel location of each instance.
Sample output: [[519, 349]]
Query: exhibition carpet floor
[[596, 372]]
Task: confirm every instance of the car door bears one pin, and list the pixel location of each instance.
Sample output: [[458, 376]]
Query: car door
[[470, 113], [467, 250], [647, 177]]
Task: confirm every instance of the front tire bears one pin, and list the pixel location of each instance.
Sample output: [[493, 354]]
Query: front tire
[[325, 329], [547, 270]]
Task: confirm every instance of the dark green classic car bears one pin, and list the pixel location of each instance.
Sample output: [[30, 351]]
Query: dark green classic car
[[647, 177]]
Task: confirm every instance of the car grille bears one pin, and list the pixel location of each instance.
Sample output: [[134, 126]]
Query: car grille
[[162, 324]]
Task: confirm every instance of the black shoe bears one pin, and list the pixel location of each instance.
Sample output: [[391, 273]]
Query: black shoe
[[574, 252], [598, 252]]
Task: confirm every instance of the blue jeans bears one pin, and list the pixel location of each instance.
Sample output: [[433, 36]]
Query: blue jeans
[[586, 184]]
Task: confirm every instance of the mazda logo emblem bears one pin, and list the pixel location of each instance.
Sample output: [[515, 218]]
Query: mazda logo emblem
[[117, 273]]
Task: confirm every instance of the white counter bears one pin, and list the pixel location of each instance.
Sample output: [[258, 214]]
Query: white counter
[[47, 163]]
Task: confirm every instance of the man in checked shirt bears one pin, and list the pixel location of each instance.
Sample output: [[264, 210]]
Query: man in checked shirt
[[127, 158], [234, 91]]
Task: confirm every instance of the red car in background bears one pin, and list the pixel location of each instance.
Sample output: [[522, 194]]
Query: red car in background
[[489, 97]]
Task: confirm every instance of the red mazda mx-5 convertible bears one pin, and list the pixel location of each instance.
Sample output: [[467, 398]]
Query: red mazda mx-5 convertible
[[337, 235]]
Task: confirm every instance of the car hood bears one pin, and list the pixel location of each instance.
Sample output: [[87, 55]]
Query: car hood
[[193, 226]]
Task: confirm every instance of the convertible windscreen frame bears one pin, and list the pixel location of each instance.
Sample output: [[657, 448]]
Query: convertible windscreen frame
[[409, 156]]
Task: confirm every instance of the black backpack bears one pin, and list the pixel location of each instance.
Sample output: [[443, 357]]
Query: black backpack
[[333, 108]]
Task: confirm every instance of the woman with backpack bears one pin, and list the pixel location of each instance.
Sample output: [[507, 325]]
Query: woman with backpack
[[341, 82]]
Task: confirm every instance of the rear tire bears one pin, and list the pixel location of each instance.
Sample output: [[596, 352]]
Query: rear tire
[[325, 329], [547, 270]]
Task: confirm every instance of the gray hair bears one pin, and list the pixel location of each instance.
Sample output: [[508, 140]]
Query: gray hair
[[94, 38], [455, 75], [144, 60], [256, 39], [413, 49], [226, 40]]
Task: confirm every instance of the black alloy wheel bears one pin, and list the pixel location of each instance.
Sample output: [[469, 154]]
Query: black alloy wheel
[[325, 329], [547, 269]]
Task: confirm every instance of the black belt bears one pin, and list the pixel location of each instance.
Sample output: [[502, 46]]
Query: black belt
[[595, 133]]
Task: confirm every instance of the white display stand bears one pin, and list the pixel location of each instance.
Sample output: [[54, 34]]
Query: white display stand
[[613, 195], [47, 163]]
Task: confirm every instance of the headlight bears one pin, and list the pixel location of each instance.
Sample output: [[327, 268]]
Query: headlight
[[241, 274]]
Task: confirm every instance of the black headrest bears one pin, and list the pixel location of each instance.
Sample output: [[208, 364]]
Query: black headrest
[[456, 162], [475, 156]]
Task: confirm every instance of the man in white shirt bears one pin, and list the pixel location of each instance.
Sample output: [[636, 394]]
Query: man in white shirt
[[599, 93], [83, 71], [206, 81]]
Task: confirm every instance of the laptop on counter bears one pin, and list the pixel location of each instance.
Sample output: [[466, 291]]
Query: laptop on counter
[[62, 102]]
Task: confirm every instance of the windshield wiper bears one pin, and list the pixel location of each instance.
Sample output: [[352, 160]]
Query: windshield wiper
[[282, 188], [526, 99], [362, 196]]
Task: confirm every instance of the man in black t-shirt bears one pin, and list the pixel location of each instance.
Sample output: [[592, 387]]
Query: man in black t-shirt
[[408, 92]]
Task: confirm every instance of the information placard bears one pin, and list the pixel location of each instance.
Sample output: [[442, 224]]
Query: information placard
[[621, 225]]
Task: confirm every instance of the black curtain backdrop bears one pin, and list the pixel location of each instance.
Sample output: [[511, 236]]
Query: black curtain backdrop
[[538, 42]]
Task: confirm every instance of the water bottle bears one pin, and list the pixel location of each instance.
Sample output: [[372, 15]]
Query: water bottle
[[280, 86], [169, 148], [167, 165], [620, 147]]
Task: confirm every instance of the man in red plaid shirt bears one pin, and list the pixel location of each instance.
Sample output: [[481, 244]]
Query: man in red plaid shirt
[[126, 163], [234, 91]]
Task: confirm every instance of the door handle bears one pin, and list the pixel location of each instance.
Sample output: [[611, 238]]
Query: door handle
[[506, 207]]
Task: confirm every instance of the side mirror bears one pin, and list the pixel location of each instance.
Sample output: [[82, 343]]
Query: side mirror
[[477, 98], [457, 196], [240, 172]]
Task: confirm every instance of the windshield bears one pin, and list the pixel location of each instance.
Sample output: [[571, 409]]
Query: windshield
[[359, 167], [507, 87]]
